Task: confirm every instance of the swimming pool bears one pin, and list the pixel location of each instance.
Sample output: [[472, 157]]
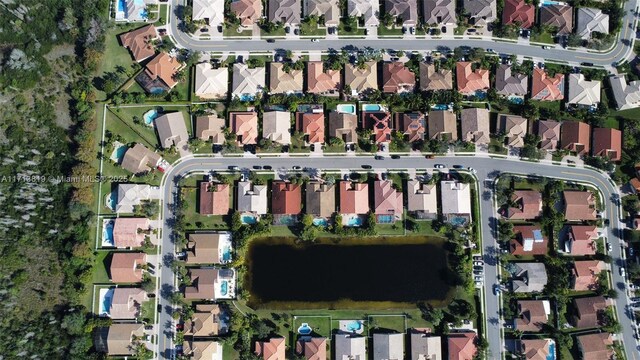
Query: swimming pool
[[354, 221], [287, 220], [156, 90], [112, 200], [248, 219], [552, 351], [439, 107], [149, 116], [346, 108], [551, 2], [224, 288], [371, 107], [305, 329], [226, 254], [107, 233], [386, 219], [480, 95], [457, 220], [516, 100], [354, 325], [246, 97], [106, 298], [320, 222]]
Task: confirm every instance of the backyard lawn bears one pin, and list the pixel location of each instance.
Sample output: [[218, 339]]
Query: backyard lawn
[[387, 322], [321, 325], [193, 220], [100, 275]]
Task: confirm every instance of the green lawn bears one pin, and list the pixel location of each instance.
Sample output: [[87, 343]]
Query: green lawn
[[310, 28], [100, 275], [232, 31], [321, 324], [119, 57], [193, 220], [162, 20], [543, 37], [495, 147], [342, 30], [382, 30], [389, 322]]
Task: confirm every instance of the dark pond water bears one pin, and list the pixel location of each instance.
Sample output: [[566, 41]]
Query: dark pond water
[[327, 273]]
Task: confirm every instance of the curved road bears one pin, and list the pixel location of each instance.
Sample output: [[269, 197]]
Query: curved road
[[487, 168], [622, 50]]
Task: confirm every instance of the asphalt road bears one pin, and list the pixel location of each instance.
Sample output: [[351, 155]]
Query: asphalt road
[[487, 168], [621, 51]]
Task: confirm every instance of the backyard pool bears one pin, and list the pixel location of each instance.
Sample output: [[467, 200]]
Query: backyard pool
[[119, 149], [320, 222], [248, 219], [552, 351], [304, 329], [386, 219], [439, 107], [226, 254], [371, 107], [246, 97], [346, 108], [354, 325], [287, 220], [112, 200], [138, 5], [354, 221], [480, 95], [105, 298], [516, 100], [224, 287], [457, 220], [107, 233], [551, 2], [149, 116]]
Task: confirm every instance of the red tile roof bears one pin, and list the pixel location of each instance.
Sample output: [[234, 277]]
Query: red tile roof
[[470, 81], [583, 239], [139, 42], [518, 12], [397, 78], [575, 137], [319, 81], [286, 198], [126, 234], [529, 240], [313, 126], [354, 198], [529, 205], [378, 122], [579, 205], [163, 67], [462, 346], [124, 267], [531, 315], [585, 274], [607, 143], [274, 349], [214, 198], [387, 200], [546, 88]]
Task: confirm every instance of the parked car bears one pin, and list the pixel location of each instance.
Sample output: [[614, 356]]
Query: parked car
[[496, 289], [159, 308], [179, 327], [439, 166], [478, 278], [366, 166], [472, 170], [271, 40], [477, 257], [379, 157], [233, 168], [148, 327], [478, 263], [267, 167], [429, 157], [412, 30], [296, 167], [458, 167], [314, 40], [395, 157], [477, 267], [257, 167], [609, 247], [471, 31], [621, 271], [478, 272]]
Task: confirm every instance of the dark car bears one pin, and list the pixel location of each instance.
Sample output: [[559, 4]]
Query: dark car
[[271, 40], [378, 157], [267, 167], [233, 168], [586, 64], [257, 167], [366, 166], [458, 166], [159, 308], [395, 157]]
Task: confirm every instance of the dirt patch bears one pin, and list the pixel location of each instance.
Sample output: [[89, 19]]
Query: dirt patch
[[60, 51]]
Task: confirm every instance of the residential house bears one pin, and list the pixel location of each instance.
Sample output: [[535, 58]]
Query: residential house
[[172, 130], [159, 74], [536, 349], [211, 284], [481, 12], [532, 315], [626, 94], [247, 83], [214, 198], [387, 201], [126, 267], [210, 128], [131, 195], [474, 125], [140, 160], [211, 83], [590, 20], [581, 240], [396, 78], [286, 198], [129, 232], [462, 345], [432, 79], [245, 125], [379, 123], [206, 321], [208, 248], [354, 198], [607, 143], [528, 277], [596, 346], [549, 133], [322, 82], [509, 83], [351, 347], [559, 17], [589, 311], [528, 205], [405, 11], [422, 200], [579, 205], [388, 346], [252, 198], [320, 199], [276, 126], [247, 11], [343, 126], [313, 348], [514, 128], [412, 125], [439, 12], [140, 42], [425, 346], [368, 10], [583, 93], [528, 240], [209, 11], [286, 12], [118, 339], [575, 137], [202, 349], [471, 81], [455, 199], [126, 303], [519, 13], [584, 275], [272, 349], [311, 124], [361, 78], [329, 9], [545, 88], [284, 82], [443, 125]]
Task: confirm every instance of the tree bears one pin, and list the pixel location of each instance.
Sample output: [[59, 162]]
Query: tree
[[149, 208]]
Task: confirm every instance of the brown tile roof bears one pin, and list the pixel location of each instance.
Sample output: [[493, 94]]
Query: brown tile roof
[[411, 124], [204, 322], [582, 239], [378, 122], [281, 81], [139, 42], [518, 12], [575, 137], [386, 199], [396, 78], [470, 81], [214, 198], [585, 274], [354, 197], [314, 348], [286, 198], [558, 16], [322, 82], [462, 346], [549, 132], [343, 126], [274, 349], [474, 125], [139, 159], [320, 199], [362, 77], [248, 11], [579, 205], [529, 205], [546, 88], [210, 127], [126, 303], [443, 125], [588, 311], [119, 338], [196, 349], [430, 79], [529, 240], [312, 125], [514, 127], [596, 346], [125, 267], [163, 67], [126, 234], [203, 248], [607, 143], [534, 349], [202, 284], [245, 126], [532, 315]]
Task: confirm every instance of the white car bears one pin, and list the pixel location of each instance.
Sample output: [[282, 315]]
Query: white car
[[439, 166], [478, 263], [477, 278], [314, 40], [609, 247], [621, 271], [472, 170]]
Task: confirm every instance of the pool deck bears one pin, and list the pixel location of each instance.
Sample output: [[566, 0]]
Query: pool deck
[[343, 325]]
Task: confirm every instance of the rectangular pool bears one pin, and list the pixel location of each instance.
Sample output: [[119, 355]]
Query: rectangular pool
[[346, 108], [386, 219]]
